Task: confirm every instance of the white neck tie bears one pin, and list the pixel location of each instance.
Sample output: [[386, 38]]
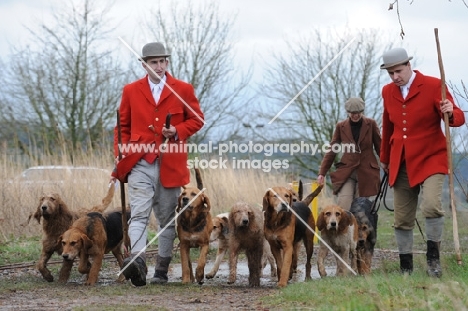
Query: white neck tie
[[156, 93], [404, 91]]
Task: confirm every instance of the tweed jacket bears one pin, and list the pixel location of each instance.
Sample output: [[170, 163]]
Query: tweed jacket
[[364, 160], [412, 129], [141, 123]]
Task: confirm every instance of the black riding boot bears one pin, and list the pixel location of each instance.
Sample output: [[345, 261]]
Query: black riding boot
[[161, 269], [433, 259], [136, 270], [406, 263]]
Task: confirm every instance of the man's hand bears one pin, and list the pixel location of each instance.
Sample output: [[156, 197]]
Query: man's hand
[[170, 132], [320, 179], [446, 106], [116, 160], [384, 167]]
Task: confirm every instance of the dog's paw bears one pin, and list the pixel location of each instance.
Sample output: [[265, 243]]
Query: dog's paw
[[121, 278], [210, 275], [282, 284], [255, 283], [48, 277]]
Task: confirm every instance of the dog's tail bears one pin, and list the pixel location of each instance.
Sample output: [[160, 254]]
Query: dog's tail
[[106, 201], [311, 196], [198, 178], [300, 191]]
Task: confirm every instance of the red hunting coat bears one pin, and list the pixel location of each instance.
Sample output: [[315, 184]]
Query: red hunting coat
[[141, 122], [412, 129], [364, 160]]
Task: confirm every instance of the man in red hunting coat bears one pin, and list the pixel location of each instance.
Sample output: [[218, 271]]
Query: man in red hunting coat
[[154, 174], [414, 153]]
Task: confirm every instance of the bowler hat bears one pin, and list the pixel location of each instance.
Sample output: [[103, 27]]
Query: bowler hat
[[394, 57], [153, 49], [354, 104]]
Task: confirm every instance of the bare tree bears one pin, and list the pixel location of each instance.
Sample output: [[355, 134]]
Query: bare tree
[[459, 143], [65, 86], [201, 45], [312, 116], [397, 4]]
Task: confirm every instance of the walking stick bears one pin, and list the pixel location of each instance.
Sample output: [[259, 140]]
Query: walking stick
[[456, 239], [122, 194]]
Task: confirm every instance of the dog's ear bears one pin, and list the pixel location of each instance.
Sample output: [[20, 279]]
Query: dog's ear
[[372, 235], [346, 220], [300, 191], [265, 201], [231, 220], [225, 225], [59, 240], [291, 195], [87, 243], [38, 214], [207, 202], [321, 221], [179, 203], [60, 203]]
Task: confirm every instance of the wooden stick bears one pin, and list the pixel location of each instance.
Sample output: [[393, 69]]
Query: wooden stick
[[126, 238], [456, 239]]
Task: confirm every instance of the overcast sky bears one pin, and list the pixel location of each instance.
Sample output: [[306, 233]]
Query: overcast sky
[[262, 25]]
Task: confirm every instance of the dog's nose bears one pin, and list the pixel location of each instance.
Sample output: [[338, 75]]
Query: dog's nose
[[44, 207], [185, 200], [333, 223], [245, 222], [361, 242], [65, 256]]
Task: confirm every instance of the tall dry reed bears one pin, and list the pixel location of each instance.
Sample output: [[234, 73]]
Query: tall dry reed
[[18, 201]]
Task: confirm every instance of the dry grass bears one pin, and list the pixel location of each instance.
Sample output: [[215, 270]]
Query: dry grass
[[223, 186], [18, 199]]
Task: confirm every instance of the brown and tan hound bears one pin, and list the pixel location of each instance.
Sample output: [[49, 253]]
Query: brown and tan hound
[[57, 218], [367, 229], [284, 231], [194, 226], [90, 237], [339, 229], [220, 233]]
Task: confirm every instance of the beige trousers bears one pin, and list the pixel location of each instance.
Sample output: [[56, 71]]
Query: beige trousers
[[348, 192], [405, 199]]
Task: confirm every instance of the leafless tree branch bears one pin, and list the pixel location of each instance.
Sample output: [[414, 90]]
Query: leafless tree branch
[[65, 82], [313, 115], [201, 44]]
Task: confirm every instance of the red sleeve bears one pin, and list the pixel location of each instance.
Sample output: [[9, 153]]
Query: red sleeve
[[387, 132]]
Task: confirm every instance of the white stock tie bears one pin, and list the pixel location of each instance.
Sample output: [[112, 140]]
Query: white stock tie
[[404, 91], [156, 93]]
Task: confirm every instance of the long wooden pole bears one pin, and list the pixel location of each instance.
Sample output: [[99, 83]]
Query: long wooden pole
[[126, 238], [456, 239]]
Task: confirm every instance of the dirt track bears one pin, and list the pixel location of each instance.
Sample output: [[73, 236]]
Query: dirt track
[[214, 294]]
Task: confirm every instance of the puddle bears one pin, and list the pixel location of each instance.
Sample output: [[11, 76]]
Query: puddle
[[175, 273]]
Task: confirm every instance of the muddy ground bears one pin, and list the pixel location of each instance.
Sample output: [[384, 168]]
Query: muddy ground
[[214, 294]]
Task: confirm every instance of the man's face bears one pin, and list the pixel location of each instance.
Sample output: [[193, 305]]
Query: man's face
[[159, 65], [400, 74]]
